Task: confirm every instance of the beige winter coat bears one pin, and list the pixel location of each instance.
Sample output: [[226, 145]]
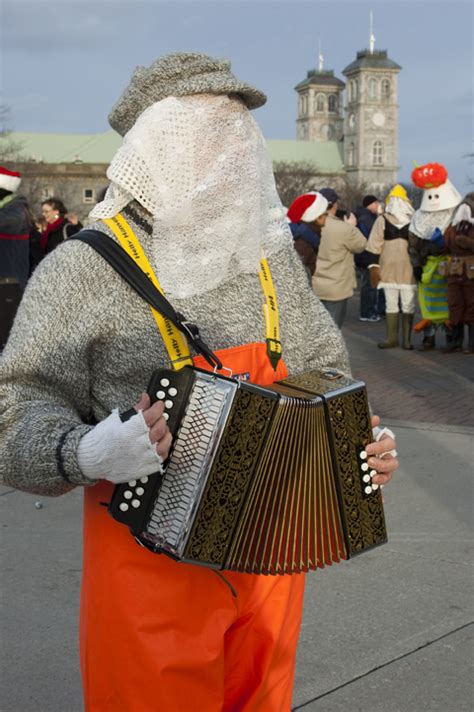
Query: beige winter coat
[[395, 265], [334, 278]]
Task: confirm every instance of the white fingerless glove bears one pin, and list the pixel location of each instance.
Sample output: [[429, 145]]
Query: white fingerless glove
[[117, 451], [379, 434]]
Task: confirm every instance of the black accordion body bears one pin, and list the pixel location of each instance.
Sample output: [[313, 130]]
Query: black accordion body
[[264, 480]]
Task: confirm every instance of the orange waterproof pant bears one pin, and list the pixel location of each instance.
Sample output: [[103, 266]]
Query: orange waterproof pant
[[163, 636]]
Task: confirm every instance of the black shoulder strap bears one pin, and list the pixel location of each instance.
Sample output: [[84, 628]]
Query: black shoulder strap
[[144, 287]]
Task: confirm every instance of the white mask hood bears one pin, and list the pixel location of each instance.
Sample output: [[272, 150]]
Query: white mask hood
[[443, 197]]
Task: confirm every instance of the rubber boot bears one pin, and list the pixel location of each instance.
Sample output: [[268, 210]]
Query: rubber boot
[[454, 339], [407, 325], [469, 349], [427, 344], [391, 321]]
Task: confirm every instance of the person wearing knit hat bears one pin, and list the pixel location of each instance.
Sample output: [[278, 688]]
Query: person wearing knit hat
[[307, 215], [426, 248], [15, 227], [371, 301], [192, 197]]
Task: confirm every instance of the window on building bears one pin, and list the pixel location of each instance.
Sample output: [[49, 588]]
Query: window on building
[[377, 153], [356, 89], [47, 193], [386, 89], [88, 195], [372, 88], [332, 102], [351, 155], [320, 102]]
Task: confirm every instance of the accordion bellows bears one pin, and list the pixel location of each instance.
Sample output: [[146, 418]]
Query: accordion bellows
[[260, 480]]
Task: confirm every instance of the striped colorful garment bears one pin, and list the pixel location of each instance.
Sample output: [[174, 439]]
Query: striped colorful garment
[[433, 291]]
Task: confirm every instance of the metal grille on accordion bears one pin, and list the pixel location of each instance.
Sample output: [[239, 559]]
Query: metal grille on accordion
[[259, 480]]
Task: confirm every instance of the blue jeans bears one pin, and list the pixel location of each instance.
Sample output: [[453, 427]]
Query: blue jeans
[[372, 301]]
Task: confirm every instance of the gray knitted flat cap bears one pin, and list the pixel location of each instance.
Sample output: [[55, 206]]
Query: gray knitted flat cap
[[178, 74]]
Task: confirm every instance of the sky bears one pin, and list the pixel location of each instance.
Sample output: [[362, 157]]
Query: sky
[[64, 64]]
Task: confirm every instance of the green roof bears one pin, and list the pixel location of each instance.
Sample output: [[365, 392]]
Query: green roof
[[100, 148], [326, 156], [378, 59]]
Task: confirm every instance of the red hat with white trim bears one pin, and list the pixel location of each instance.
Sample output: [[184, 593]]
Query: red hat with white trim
[[9, 180], [307, 207]]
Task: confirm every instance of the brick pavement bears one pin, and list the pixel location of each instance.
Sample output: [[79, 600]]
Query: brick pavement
[[426, 387]]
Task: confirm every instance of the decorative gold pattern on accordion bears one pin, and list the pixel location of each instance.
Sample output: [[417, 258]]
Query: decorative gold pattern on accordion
[[229, 478]]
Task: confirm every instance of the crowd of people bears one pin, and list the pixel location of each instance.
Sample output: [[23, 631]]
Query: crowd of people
[[395, 253], [25, 239]]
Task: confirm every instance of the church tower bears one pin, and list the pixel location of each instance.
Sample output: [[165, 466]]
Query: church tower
[[371, 119], [320, 106]]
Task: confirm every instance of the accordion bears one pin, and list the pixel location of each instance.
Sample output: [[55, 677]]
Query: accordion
[[264, 480]]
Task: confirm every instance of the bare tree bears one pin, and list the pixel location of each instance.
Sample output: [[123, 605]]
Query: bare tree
[[10, 150], [293, 178]]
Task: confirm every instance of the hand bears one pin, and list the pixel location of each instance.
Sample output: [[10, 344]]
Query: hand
[[351, 219], [379, 456], [159, 431], [73, 219]]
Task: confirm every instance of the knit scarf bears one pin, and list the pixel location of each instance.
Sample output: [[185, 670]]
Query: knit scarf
[[51, 227]]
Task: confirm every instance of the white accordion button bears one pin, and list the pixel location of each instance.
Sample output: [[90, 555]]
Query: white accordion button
[[168, 404], [363, 455], [173, 392], [160, 395], [132, 483], [144, 479], [364, 467], [164, 382], [375, 487], [135, 503], [366, 478], [128, 494], [165, 416], [139, 491], [368, 490], [373, 473], [124, 507]]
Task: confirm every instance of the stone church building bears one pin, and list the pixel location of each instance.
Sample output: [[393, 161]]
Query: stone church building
[[347, 131]]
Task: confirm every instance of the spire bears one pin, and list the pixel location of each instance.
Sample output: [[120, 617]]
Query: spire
[[320, 57], [372, 36]]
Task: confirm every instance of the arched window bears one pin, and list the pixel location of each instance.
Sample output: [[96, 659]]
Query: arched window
[[320, 102], [385, 89], [332, 102], [372, 88], [351, 155], [377, 153], [304, 104], [356, 89]]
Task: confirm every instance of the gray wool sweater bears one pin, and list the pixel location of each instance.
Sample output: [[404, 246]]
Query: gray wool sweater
[[84, 343]]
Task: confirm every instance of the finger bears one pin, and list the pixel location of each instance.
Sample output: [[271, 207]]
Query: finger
[[143, 403], [382, 480], [385, 466], [158, 430], [163, 447], [154, 413], [374, 421], [380, 447]]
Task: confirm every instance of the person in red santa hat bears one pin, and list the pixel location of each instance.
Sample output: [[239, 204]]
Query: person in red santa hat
[[15, 227], [307, 215]]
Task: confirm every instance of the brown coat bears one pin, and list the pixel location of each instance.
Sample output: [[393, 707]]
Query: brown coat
[[460, 246], [394, 261]]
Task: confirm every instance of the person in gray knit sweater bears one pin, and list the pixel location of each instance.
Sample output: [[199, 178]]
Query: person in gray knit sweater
[[194, 183]]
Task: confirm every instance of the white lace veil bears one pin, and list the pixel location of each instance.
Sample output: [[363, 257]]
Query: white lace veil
[[200, 166], [401, 209]]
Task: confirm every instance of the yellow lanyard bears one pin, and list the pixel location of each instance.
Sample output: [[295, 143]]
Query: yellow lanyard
[[174, 340]]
